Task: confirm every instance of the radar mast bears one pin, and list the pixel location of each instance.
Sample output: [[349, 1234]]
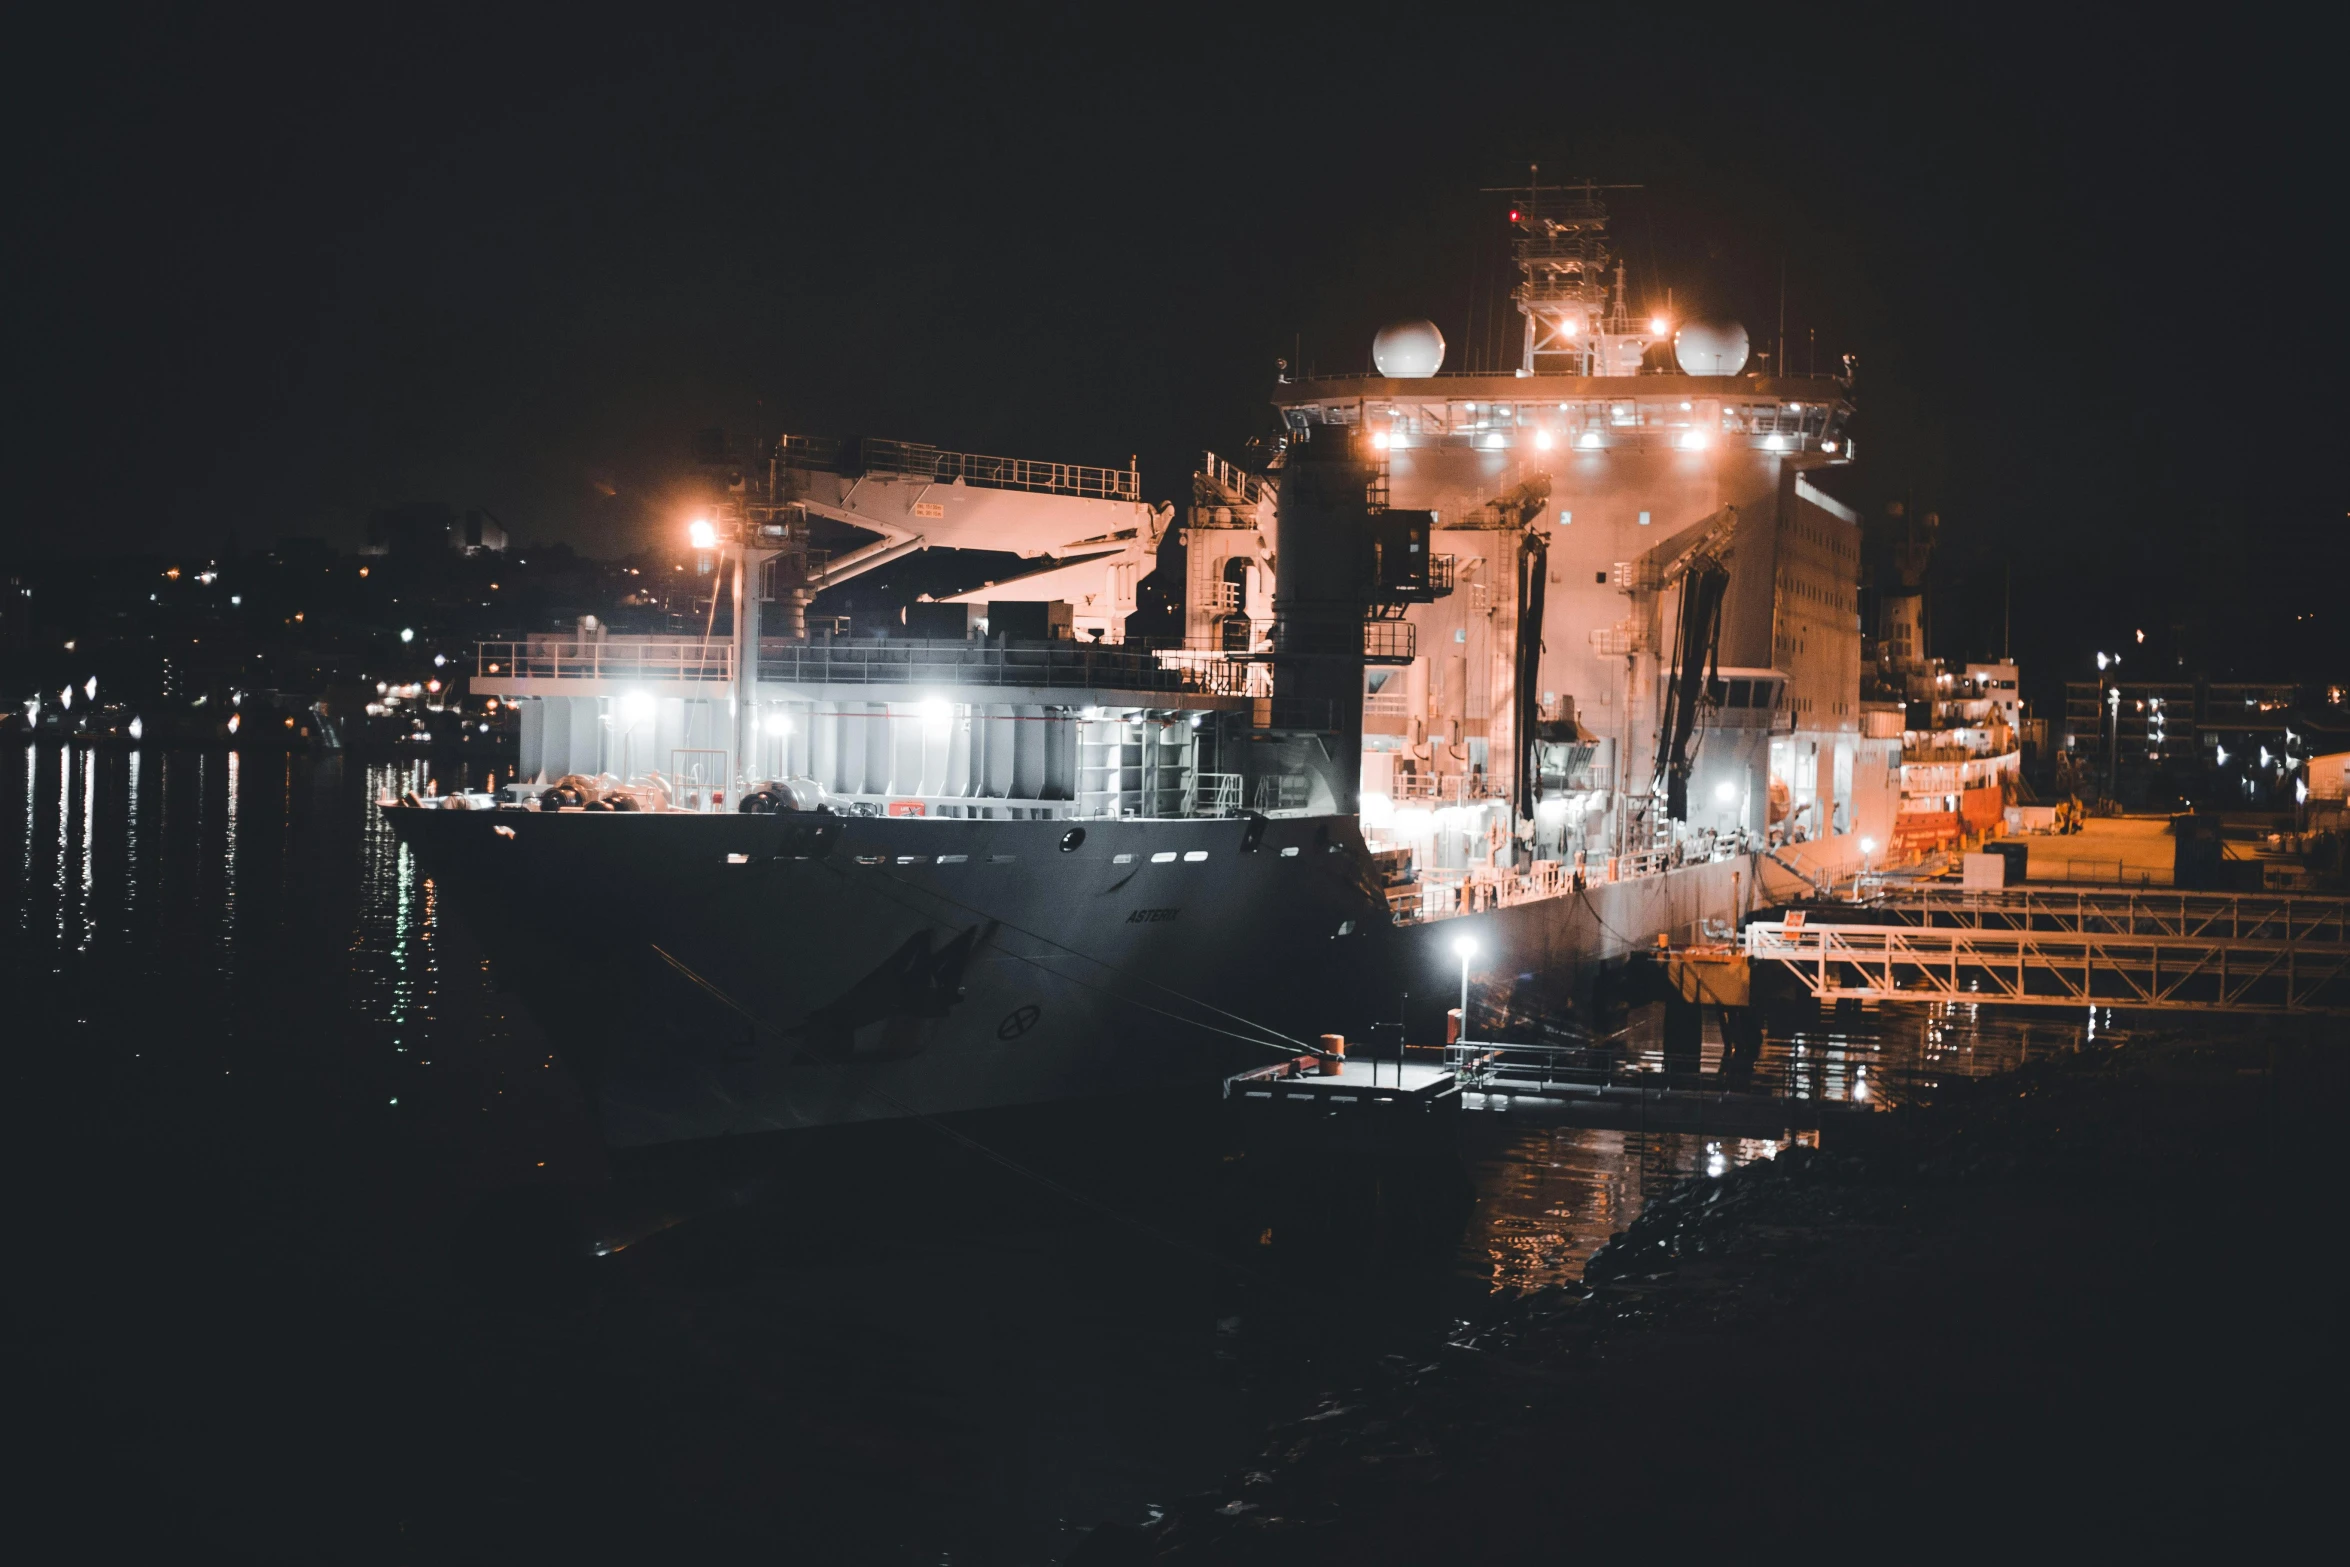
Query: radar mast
[[1577, 322]]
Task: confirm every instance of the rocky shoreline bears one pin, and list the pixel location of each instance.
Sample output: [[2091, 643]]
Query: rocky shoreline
[[2087, 1300]]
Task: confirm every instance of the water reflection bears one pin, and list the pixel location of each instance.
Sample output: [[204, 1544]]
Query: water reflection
[[1883, 1053], [1901, 1054], [228, 868], [1548, 1197], [132, 804], [32, 779], [302, 1075], [66, 762]]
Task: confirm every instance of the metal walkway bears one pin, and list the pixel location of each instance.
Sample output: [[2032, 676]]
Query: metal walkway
[[2155, 951], [2248, 916]]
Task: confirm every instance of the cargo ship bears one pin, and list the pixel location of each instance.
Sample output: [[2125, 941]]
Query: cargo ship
[[1484, 677]]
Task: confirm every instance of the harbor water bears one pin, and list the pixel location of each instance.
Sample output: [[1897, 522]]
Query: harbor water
[[325, 1257]]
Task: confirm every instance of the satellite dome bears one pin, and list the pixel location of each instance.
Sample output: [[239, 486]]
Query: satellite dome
[[1710, 348], [1408, 350]]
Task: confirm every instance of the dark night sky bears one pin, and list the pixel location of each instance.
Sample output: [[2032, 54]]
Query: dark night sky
[[268, 276]]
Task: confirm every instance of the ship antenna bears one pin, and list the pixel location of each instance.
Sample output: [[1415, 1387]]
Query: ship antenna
[[1781, 361]]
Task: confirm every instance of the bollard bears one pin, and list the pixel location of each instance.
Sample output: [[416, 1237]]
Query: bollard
[[1335, 1062]]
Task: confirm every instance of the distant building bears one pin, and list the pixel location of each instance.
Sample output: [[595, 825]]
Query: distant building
[[482, 534], [414, 528], [420, 528], [2215, 742]]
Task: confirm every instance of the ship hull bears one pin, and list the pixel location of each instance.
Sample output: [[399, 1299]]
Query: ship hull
[[724, 976], [1543, 959], [715, 976]]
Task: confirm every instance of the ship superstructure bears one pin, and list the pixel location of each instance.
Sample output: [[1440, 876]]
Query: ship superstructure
[[1016, 701], [1961, 728], [1645, 640]]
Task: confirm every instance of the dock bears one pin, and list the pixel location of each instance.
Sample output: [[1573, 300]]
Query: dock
[[1633, 1107], [1370, 1106], [1359, 1106]]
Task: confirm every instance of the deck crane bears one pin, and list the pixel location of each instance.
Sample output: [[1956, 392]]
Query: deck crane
[[1697, 559]]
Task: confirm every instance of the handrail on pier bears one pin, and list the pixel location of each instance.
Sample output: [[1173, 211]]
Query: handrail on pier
[[2065, 968]]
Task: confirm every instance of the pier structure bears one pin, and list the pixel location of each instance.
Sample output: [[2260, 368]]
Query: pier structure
[[2198, 952], [2113, 911]]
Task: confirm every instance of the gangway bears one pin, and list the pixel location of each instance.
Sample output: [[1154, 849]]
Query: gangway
[[2112, 911], [2285, 961]]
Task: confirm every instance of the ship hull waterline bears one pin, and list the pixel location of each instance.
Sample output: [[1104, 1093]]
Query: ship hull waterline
[[723, 976]]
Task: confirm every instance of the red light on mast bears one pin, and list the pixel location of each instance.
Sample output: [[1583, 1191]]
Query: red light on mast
[[1513, 214]]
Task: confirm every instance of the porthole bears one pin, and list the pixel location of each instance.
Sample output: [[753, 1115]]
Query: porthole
[[1073, 840]]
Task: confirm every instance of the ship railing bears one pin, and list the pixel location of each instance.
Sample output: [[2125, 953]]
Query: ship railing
[[875, 455], [1647, 862], [1242, 487], [1439, 892], [1486, 887], [607, 658], [1082, 666], [1218, 673], [1216, 794], [1953, 777], [1444, 789], [1230, 635], [1378, 641]]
